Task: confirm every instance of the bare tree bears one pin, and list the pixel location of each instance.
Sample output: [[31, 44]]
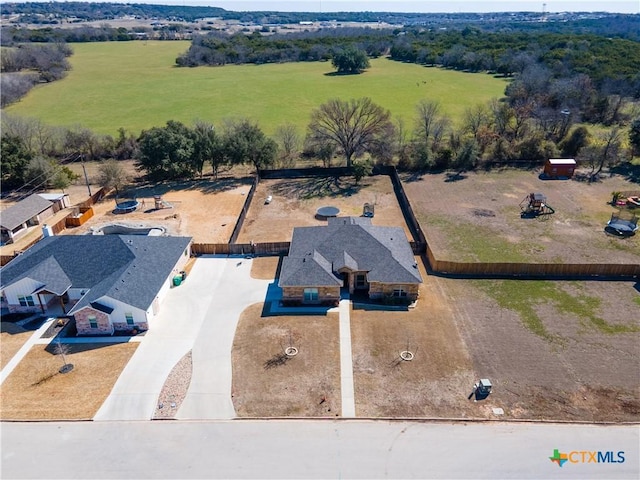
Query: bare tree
[[475, 118], [111, 174], [604, 151], [288, 140], [356, 126], [427, 117]]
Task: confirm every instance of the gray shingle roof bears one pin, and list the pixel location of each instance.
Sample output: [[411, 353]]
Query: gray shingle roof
[[128, 268], [352, 242], [22, 211]]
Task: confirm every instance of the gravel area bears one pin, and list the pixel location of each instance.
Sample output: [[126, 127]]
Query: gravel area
[[174, 389]]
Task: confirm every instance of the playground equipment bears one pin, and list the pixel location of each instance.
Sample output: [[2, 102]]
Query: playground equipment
[[368, 210], [622, 224], [535, 204], [326, 212], [159, 203]]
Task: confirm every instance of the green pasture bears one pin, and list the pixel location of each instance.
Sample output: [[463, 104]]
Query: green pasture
[[135, 85]]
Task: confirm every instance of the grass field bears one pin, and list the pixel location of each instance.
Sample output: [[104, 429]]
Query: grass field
[[136, 85]]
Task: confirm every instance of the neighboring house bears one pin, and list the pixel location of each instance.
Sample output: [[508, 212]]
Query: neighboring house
[[33, 210], [106, 282], [350, 253]]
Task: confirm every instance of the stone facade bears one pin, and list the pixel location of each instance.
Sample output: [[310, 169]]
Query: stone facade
[[17, 308], [326, 295], [379, 290], [125, 327], [83, 326]]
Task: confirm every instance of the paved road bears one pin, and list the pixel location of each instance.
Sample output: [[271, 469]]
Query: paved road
[[309, 449]]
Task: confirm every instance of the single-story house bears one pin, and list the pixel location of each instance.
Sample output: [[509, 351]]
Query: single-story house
[[350, 253], [106, 282], [33, 210]]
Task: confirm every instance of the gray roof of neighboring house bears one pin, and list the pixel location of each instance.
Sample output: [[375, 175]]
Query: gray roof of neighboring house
[[317, 253], [22, 211], [128, 268]]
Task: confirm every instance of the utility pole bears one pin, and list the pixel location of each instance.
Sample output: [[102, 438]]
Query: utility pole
[[86, 178]]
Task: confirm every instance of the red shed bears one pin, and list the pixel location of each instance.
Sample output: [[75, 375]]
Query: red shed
[[560, 167]]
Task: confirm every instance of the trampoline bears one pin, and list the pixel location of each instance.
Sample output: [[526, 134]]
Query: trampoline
[[622, 227], [127, 206], [326, 212]]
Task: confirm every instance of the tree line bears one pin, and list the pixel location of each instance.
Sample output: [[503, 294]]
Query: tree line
[[26, 65], [356, 133]]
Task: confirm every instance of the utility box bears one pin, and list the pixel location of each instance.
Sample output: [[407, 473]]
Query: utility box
[[484, 386], [559, 168]]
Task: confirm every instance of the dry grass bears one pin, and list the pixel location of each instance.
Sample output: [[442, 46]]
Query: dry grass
[[435, 383], [267, 384], [11, 340], [264, 268], [36, 391]]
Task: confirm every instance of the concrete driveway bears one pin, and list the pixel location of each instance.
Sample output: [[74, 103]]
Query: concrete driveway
[[200, 315], [209, 394]]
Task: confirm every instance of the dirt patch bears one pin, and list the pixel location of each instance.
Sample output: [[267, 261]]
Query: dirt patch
[[35, 390], [295, 201], [267, 383], [579, 371], [206, 210], [477, 218]]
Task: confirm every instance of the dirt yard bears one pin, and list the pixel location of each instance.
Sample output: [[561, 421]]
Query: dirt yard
[[267, 383], [580, 362], [206, 210], [438, 379], [477, 218], [35, 390], [295, 202]]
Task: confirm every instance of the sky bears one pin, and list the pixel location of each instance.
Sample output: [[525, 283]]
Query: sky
[[426, 6]]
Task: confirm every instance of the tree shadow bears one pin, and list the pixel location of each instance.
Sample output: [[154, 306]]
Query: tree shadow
[[206, 186], [277, 360], [317, 187], [454, 177], [630, 172], [411, 177], [341, 74]]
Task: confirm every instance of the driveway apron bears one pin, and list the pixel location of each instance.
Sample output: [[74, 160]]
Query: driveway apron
[[209, 394], [171, 335]]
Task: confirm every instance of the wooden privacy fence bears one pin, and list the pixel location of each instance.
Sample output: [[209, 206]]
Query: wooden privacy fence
[[84, 214], [266, 249], [537, 270], [245, 209]]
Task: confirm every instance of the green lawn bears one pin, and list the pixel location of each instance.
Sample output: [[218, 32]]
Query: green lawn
[[135, 85]]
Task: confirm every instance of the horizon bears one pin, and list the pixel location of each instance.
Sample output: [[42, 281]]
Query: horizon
[[403, 6]]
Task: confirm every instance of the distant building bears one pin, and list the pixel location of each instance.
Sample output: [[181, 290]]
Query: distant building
[[33, 210], [559, 167]]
